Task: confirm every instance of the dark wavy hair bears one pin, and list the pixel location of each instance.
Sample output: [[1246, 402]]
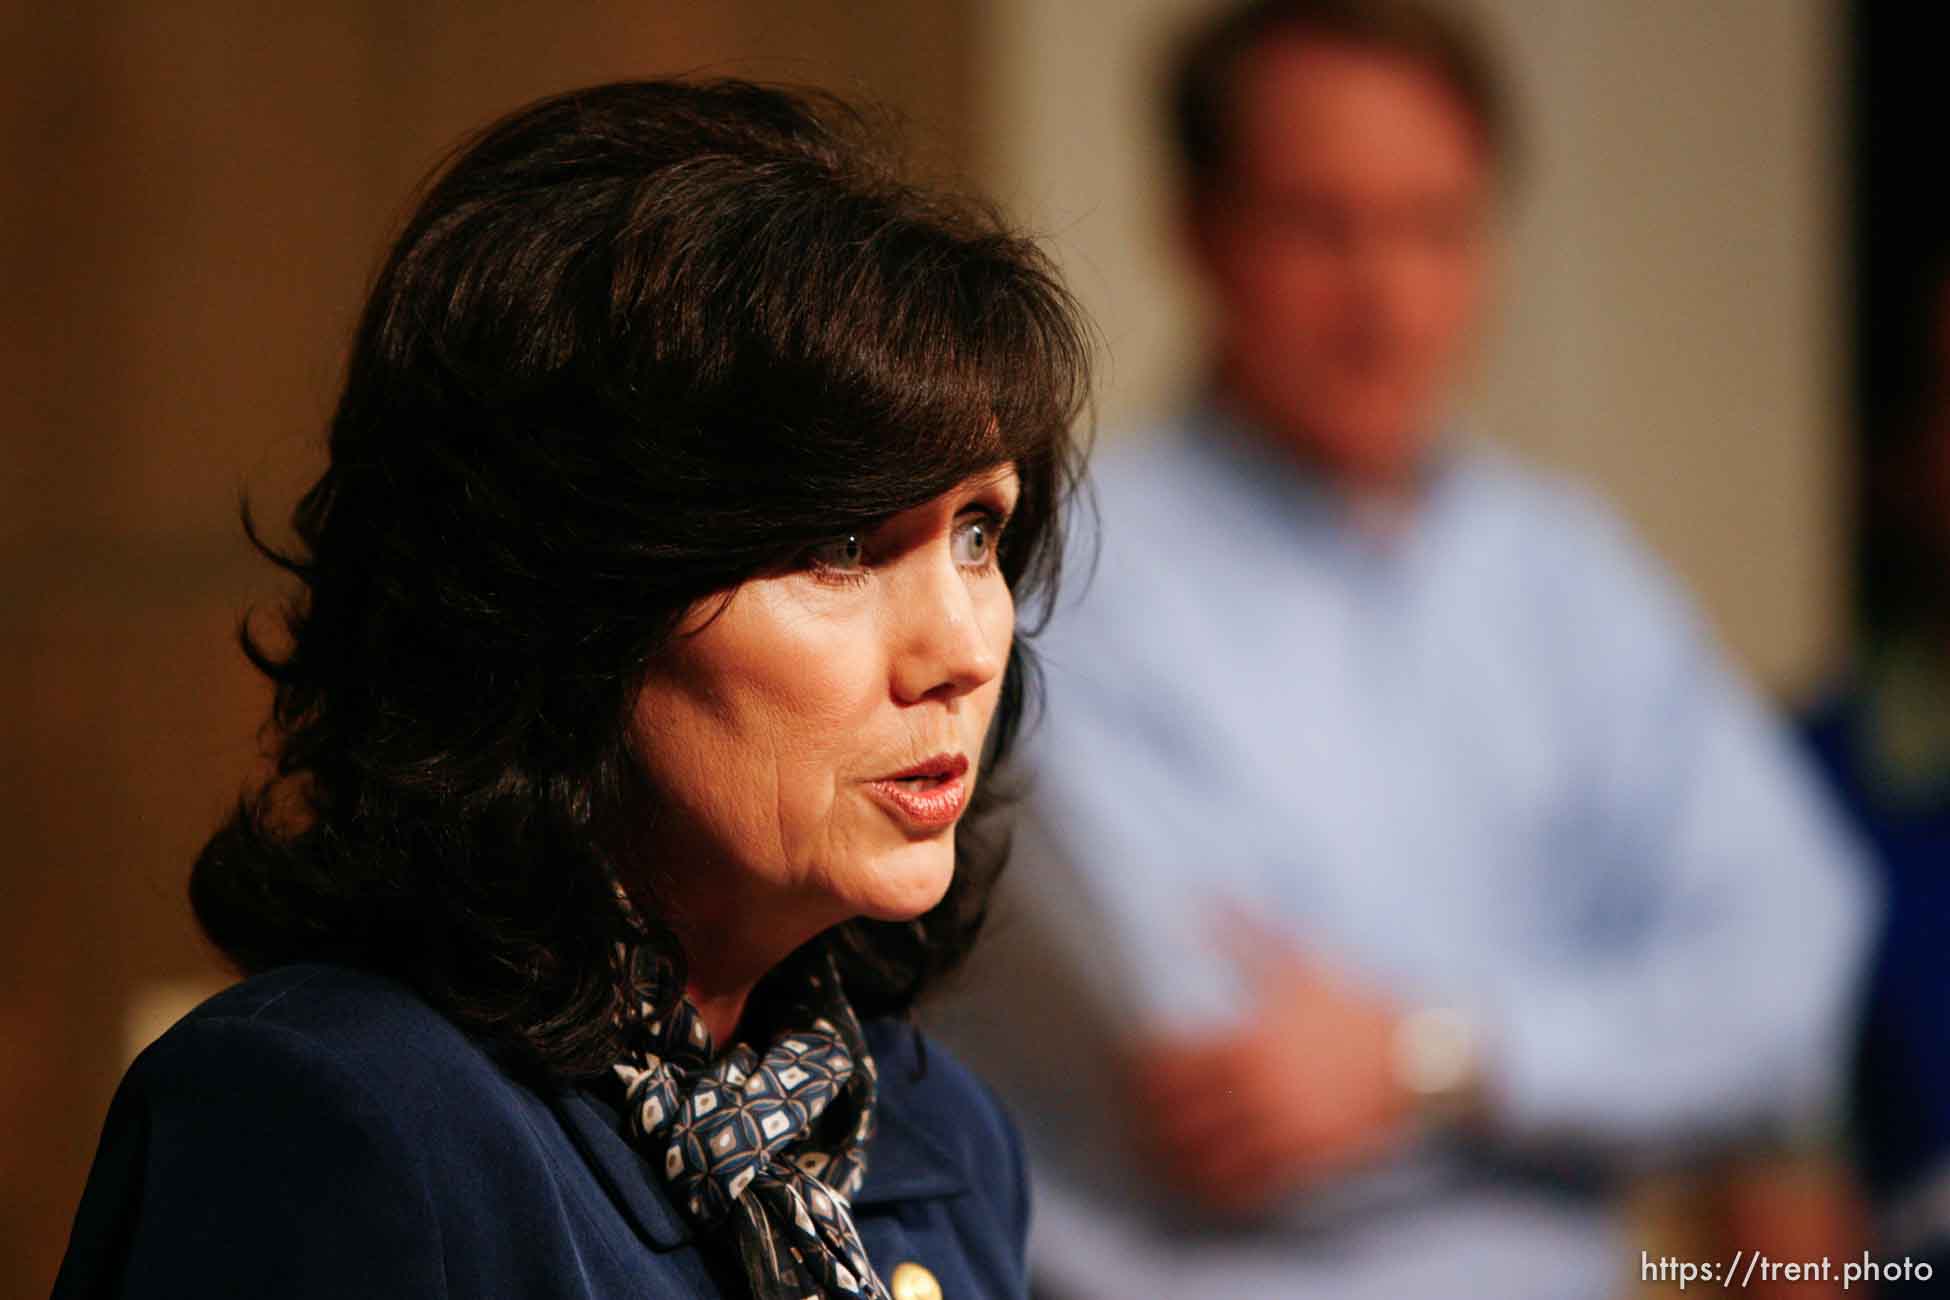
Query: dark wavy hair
[[638, 344]]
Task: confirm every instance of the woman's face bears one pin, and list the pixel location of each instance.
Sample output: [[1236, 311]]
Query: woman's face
[[815, 738]]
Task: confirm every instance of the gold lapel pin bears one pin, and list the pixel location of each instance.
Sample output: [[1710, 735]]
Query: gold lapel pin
[[912, 1282]]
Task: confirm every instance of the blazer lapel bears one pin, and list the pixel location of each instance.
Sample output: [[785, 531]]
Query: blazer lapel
[[632, 1181], [905, 1163]]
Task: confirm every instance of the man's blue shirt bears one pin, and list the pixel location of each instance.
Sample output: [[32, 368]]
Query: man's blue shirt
[[1481, 754]]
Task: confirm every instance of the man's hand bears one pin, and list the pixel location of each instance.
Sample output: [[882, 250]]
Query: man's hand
[[1304, 1089]]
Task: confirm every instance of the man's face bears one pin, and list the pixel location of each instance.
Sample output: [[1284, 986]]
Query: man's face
[[1346, 244]]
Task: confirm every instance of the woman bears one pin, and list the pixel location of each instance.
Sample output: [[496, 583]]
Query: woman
[[656, 638]]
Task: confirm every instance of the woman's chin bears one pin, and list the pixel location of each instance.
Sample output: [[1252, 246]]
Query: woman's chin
[[903, 883]]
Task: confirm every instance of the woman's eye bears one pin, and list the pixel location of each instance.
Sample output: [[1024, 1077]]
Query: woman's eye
[[846, 554], [974, 541]]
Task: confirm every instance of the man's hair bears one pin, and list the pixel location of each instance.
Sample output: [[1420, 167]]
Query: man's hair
[[1204, 73], [639, 344]]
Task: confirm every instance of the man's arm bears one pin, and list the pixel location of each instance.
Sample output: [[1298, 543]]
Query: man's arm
[[1710, 988]]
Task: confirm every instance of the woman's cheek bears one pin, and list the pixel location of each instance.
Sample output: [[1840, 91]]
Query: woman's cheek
[[1000, 619]]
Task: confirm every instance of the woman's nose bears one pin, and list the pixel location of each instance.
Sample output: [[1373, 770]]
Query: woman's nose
[[942, 648]]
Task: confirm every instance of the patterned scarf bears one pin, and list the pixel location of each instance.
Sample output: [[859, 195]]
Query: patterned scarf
[[771, 1143]]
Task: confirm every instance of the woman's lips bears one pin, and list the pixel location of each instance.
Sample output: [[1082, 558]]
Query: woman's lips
[[928, 796]]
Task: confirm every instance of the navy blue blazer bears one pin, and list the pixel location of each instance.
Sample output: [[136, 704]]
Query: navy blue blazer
[[318, 1131]]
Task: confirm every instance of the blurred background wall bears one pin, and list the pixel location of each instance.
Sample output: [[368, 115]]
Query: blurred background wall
[[197, 190]]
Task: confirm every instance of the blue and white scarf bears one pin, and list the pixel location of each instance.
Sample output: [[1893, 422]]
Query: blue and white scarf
[[770, 1144]]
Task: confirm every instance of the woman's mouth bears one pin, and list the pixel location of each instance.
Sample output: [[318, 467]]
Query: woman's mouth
[[928, 796]]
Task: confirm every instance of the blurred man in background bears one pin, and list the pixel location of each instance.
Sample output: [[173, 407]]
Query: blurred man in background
[[1405, 865]]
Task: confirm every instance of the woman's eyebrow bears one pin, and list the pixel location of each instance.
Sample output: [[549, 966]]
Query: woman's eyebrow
[[1005, 478]]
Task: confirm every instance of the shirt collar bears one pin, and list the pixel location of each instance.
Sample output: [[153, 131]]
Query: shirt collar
[[1288, 486]]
